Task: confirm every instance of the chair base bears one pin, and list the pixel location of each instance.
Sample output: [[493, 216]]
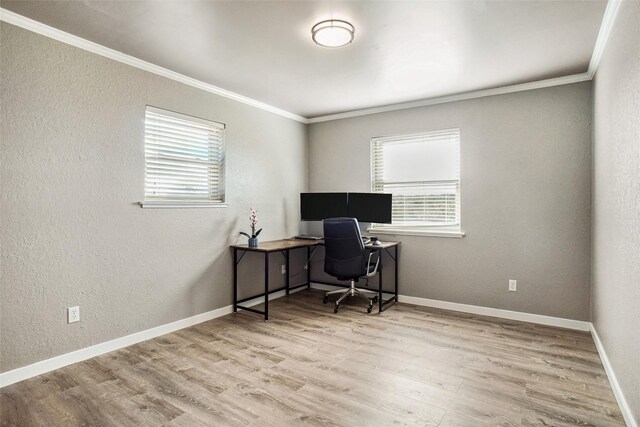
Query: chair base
[[352, 292]]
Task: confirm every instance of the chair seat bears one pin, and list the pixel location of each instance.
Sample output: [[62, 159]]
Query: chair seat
[[346, 257]]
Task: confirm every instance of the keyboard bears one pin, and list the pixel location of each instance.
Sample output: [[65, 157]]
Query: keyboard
[[307, 237], [365, 240]]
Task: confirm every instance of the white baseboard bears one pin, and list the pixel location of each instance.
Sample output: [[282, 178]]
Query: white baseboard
[[615, 386], [323, 287], [559, 322], [526, 317], [486, 311], [57, 362], [38, 368]]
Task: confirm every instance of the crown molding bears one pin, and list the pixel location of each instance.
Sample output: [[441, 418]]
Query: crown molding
[[608, 19], [64, 37], [574, 78]]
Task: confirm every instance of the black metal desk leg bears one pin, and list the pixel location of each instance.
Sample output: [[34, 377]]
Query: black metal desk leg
[[308, 267], [266, 286], [235, 280], [380, 272], [396, 272], [286, 267]]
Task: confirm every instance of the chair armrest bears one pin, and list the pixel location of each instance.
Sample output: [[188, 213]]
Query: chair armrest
[[374, 270]]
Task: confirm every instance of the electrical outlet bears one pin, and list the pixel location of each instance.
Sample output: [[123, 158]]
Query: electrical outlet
[[283, 269], [513, 285], [73, 314]]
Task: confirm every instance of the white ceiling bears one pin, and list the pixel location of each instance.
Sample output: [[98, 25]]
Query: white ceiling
[[403, 50]]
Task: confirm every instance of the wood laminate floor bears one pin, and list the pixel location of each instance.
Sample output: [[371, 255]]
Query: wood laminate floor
[[307, 366]]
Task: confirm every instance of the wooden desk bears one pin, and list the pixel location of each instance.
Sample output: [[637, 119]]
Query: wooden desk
[[284, 246]]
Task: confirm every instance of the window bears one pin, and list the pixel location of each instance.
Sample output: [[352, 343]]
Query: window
[[422, 171], [184, 160]]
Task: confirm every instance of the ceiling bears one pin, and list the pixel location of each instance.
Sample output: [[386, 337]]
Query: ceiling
[[403, 50]]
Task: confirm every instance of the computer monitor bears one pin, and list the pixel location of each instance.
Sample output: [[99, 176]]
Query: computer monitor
[[370, 207], [319, 206]]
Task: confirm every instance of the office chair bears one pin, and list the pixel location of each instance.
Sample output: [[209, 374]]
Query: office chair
[[346, 258]]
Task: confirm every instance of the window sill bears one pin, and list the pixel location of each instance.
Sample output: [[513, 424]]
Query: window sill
[[178, 204], [424, 233]]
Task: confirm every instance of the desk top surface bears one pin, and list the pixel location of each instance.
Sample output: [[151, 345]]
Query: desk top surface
[[284, 244]]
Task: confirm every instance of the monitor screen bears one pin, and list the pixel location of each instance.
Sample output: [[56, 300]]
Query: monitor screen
[[319, 206], [370, 207]]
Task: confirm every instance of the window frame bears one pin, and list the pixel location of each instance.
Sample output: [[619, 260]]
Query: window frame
[[419, 230], [186, 202]]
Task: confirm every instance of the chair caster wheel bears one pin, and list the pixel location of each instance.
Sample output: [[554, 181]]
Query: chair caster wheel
[[335, 309], [374, 299], [325, 299], [369, 308]]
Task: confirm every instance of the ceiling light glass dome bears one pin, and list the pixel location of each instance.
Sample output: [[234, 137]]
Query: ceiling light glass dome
[[332, 33]]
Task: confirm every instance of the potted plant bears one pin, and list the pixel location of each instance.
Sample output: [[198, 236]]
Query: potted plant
[[253, 238]]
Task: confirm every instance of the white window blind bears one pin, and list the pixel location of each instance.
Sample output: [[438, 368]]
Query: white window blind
[[184, 158], [422, 171]]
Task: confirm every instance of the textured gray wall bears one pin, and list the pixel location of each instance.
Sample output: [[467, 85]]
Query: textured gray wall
[[73, 168], [615, 298], [525, 170], [72, 172]]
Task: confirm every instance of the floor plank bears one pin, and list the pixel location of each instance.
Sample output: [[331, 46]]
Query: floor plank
[[308, 366]]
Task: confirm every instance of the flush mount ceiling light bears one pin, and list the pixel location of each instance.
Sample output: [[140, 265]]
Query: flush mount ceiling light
[[332, 33]]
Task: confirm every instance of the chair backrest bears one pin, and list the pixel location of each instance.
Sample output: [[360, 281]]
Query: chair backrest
[[344, 249]]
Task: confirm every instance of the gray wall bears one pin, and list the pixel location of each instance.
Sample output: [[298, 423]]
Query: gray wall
[[615, 298], [525, 171], [72, 172], [73, 169]]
